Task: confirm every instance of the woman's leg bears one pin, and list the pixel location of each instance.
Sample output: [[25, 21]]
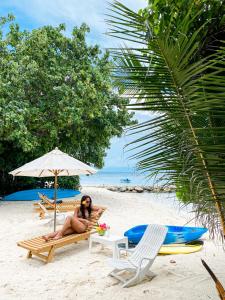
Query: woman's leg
[[59, 233], [78, 226], [71, 225], [50, 235]]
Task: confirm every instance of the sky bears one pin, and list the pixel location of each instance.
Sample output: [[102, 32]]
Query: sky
[[32, 14]]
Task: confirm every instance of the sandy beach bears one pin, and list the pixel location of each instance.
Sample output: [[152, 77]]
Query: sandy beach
[[77, 274]]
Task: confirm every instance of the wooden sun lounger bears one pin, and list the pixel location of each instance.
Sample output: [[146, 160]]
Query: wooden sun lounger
[[37, 246], [60, 207]]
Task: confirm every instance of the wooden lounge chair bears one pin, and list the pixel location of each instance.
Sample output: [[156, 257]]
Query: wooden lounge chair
[[60, 207], [37, 246], [60, 217]]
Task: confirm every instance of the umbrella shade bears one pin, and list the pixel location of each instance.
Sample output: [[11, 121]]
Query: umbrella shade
[[48, 164], [55, 163]]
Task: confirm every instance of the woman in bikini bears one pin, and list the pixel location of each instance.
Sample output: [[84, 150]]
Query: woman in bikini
[[77, 223]]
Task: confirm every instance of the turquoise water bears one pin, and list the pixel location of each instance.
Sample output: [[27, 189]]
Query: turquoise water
[[113, 176]]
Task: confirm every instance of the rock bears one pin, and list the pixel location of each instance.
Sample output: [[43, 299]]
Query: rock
[[172, 261], [129, 188], [112, 188], [156, 189], [172, 188], [139, 189], [162, 188], [122, 189], [149, 188]]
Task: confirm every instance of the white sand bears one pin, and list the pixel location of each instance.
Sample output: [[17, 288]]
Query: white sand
[[77, 274]]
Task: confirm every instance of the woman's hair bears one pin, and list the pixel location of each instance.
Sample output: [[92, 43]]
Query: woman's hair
[[82, 206]]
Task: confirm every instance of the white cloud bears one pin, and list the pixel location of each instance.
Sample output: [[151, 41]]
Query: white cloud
[[71, 12]]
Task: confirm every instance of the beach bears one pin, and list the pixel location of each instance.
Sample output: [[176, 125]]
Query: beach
[[75, 273]]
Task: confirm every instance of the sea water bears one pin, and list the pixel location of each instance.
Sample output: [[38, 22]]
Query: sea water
[[115, 176]]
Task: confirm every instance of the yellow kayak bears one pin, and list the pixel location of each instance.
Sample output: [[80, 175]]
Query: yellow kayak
[[181, 248]]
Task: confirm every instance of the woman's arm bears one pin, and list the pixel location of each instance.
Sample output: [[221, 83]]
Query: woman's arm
[[97, 210], [76, 210]]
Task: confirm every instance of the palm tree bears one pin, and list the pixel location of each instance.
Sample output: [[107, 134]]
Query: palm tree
[[184, 143]]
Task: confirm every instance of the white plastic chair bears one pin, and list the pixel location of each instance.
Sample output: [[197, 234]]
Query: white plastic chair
[[60, 217], [142, 258]]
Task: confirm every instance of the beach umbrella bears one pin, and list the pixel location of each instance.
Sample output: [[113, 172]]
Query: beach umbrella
[[53, 164]]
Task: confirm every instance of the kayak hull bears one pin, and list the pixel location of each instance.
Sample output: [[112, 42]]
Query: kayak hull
[[175, 234], [181, 248], [30, 195]]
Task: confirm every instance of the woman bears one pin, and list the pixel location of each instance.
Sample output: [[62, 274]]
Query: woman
[[77, 223]]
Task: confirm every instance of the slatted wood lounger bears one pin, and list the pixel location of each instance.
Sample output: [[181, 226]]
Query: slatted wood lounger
[[60, 207], [37, 246]]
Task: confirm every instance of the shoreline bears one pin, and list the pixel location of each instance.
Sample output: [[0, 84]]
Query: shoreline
[[133, 188]]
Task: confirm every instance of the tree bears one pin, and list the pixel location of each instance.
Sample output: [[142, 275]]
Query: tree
[[176, 69], [55, 90]]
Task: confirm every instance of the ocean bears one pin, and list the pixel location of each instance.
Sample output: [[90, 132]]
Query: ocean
[[115, 176]]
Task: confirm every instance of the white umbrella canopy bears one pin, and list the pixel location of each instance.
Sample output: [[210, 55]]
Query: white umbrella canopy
[[55, 163], [52, 162]]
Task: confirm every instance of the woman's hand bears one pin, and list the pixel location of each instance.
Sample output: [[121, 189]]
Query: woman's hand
[[91, 223], [98, 213]]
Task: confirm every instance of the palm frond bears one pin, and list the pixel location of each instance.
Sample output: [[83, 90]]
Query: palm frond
[[185, 144]]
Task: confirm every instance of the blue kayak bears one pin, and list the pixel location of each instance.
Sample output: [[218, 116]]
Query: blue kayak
[[175, 234], [29, 195]]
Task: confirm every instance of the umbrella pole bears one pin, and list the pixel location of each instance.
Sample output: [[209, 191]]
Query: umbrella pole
[[55, 197]]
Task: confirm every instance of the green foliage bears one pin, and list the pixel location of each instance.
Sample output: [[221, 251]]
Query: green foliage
[[210, 16], [174, 71], [69, 182], [55, 90], [24, 183]]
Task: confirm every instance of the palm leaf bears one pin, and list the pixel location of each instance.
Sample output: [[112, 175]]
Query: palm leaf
[[185, 144]]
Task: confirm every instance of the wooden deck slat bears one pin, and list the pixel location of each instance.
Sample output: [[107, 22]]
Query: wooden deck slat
[[36, 244], [35, 241], [39, 238], [74, 203], [26, 246], [58, 207], [34, 249], [64, 206], [57, 243]]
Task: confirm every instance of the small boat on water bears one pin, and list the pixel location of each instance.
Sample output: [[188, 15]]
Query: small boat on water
[[125, 180], [175, 234]]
